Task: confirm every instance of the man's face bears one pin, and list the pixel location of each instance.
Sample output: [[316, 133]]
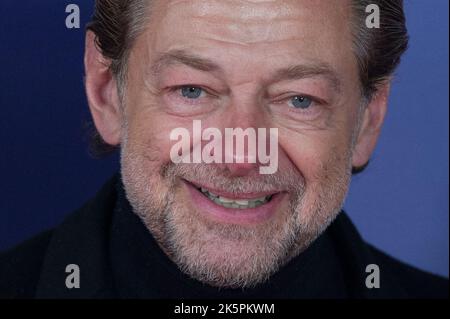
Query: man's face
[[241, 64]]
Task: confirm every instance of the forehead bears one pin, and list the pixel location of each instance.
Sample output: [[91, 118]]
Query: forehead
[[252, 30], [251, 21]]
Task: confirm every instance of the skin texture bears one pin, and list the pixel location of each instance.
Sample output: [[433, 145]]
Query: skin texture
[[247, 44]]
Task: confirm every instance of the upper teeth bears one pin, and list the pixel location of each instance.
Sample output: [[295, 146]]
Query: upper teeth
[[235, 203]]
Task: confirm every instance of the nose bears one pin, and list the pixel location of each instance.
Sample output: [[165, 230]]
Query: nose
[[245, 130]]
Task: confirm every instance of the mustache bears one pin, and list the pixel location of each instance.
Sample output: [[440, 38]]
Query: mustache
[[219, 177]]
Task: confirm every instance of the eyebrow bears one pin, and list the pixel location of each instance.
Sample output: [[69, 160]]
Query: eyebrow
[[183, 57], [303, 71], [294, 72]]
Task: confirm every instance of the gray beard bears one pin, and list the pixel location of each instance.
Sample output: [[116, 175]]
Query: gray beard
[[227, 255]]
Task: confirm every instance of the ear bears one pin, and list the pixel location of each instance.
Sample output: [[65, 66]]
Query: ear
[[372, 121], [102, 94]]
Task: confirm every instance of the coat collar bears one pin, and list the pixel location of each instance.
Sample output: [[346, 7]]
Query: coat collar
[[82, 239]]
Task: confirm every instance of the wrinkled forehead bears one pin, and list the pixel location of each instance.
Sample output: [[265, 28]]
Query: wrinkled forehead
[[252, 37], [248, 22]]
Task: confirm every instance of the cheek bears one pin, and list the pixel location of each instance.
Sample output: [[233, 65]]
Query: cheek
[[321, 153], [148, 135], [312, 154]]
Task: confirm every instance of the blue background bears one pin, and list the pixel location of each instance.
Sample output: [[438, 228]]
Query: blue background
[[400, 203]]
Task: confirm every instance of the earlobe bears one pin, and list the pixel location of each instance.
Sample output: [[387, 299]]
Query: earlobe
[[102, 93], [372, 122]]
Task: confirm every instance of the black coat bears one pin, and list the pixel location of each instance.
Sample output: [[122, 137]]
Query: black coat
[[37, 267]]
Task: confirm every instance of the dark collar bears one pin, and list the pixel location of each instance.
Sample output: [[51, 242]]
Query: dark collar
[[82, 239]]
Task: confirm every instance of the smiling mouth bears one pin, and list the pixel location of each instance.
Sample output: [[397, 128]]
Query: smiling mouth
[[248, 207], [236, 203]]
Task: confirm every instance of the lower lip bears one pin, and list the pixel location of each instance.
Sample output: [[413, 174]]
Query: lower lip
[[247, 216]]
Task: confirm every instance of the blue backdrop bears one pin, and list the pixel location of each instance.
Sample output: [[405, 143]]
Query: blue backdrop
[[400, 203]]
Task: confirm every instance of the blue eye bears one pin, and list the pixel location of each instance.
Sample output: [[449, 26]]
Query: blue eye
[[301, 102], [191, 92]]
